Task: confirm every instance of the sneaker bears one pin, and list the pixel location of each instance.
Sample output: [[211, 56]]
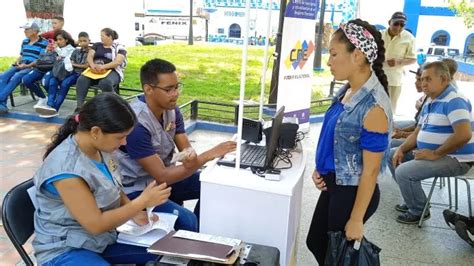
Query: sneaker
[[401, 207], [41, 102], [463, 232], [451, 218], [45, 110], [50, 115], [408, 218]]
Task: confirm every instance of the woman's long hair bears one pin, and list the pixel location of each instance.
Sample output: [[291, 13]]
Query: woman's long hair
[[108, 111], [66, 36]]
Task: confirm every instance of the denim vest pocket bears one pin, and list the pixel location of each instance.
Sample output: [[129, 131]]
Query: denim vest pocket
[[351, 160], [349, 135]]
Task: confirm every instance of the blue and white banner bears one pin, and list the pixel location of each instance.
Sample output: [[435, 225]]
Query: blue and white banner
[[296, 61]]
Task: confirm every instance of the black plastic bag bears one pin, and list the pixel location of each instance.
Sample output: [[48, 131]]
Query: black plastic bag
[[341, 252]]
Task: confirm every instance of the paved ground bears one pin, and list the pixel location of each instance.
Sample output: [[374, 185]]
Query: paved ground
[[401, 244], [22, 145]]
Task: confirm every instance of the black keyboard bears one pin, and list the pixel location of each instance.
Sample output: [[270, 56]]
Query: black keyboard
[[253, 155]]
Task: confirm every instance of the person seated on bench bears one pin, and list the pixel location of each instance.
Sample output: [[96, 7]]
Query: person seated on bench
[[403, 129], [150, 146], [441, 145], [64, 46], [107, 60], [57, 24], [453, 68], [59, 86], [31, 48], [79, 193]]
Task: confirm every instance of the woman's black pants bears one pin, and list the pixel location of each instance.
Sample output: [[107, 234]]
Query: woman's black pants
[[332, 212]]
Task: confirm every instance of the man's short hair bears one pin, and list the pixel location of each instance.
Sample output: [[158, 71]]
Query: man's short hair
[[150, 70], [58, 18], [452, 66], [440, 68], [83, 34]]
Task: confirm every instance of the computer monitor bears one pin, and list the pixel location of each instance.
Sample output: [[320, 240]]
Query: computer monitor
[[272, 143], [252, 153]]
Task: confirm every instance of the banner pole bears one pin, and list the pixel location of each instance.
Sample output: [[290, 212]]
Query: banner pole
[[265, 60], [242, 84]]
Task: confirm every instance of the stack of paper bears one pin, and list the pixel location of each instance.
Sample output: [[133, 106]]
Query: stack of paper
[[133, 234]]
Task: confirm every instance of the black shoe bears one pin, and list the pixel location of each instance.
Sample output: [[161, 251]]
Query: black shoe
[[451, 218], [408, 218], [464, 233], [401, 207]]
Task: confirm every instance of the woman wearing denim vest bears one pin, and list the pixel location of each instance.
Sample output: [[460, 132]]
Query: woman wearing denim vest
[[78, 189], [353, 144]]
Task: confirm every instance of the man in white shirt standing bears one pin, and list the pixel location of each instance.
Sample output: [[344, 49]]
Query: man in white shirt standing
[[399, 51]]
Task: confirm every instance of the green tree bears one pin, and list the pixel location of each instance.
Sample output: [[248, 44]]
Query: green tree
[[464, 9]]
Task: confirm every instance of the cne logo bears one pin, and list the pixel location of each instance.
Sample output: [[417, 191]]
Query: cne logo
[[299, 54]]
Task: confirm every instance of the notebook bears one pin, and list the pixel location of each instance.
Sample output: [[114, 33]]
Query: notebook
[[198, 246], [132, 234], [258, 156]]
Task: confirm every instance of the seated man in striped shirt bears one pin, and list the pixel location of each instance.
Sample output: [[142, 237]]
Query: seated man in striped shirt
[[441, 145], [31, 48]]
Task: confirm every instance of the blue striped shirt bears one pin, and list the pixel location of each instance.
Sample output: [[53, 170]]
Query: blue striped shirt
[[31, 52], [437, 119]]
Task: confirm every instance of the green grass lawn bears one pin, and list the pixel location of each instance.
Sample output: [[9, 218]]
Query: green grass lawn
[[209, 72]]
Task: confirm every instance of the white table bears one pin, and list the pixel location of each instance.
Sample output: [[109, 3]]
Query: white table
[[239, 204]]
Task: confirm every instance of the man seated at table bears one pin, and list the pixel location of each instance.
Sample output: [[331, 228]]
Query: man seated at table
[[443, 138], [151, 145]]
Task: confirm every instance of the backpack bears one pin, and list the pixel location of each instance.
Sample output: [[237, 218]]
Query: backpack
[[46, 61], [59, 70]]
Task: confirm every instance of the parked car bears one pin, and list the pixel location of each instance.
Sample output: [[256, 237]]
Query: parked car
[[436, 52], [150, 39]]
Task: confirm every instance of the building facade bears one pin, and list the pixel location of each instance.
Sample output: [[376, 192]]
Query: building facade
[[430, 21], [227, 20]]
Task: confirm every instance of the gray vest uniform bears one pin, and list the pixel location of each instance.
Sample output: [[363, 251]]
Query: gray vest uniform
[[162, 140], [56, 231]]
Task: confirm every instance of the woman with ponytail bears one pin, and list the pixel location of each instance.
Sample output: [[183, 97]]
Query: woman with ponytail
[[78, 190], [353, 144]]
